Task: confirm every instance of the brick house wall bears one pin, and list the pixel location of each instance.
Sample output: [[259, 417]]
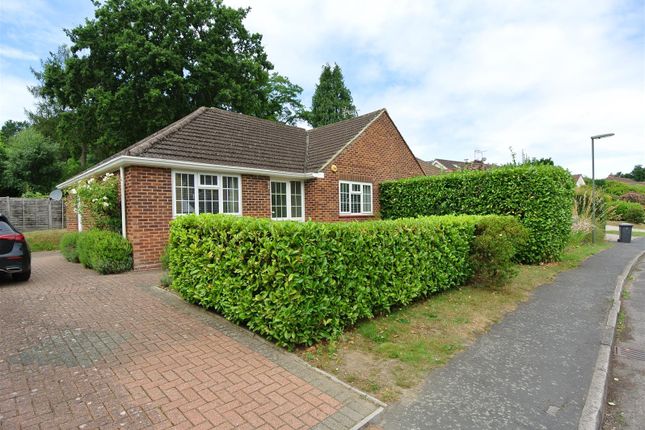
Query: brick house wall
[[256, 199], [377, 155], [148, 208]]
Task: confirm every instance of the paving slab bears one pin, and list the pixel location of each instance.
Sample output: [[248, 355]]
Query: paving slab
[[82, 350], [532, 370]]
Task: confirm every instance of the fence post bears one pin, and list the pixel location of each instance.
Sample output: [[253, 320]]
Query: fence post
[[8, 208], [49, 212], [23, 214]]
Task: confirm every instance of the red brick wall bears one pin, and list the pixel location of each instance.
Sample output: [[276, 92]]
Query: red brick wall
[[256, 200], [378, 154], [148, 207], [71, 218]]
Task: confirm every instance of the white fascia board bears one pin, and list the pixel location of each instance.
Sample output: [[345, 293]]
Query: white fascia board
[[128, 160]]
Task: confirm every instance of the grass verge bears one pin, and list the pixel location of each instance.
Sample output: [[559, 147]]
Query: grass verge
[[389, 355], [44, 240]]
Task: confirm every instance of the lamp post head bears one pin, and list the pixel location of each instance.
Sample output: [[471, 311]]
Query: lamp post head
[[600, 136]]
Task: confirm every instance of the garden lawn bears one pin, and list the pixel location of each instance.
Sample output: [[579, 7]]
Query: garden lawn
[[44, 240], [389, 355]]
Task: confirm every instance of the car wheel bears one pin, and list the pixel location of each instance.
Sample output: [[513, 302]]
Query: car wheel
[[22, 277]]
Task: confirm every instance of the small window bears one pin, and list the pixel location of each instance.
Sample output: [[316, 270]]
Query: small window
[[355, 198], [286, 200]]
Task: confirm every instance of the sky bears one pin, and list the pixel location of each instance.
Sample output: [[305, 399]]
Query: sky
[[539, 77]]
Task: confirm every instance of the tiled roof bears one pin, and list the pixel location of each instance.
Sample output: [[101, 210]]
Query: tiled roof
[[216, 136], [428, 168], [325, 142], [451, 164]]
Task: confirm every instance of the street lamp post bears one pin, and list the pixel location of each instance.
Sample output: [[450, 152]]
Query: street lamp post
[[593, 185]]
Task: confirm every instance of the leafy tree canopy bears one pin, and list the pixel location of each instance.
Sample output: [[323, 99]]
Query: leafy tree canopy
[[11, 127], [141, 64], [332, 100], [30, 163]]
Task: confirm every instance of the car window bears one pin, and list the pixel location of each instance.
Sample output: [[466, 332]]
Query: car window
[[5, 228]]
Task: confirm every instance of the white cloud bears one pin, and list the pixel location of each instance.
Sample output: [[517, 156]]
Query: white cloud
[[16, 54], [15, 97], [458, 76]]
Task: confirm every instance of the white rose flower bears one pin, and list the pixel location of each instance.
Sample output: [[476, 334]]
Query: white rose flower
[[91, 181], [73, 191], [106, 204], [104, 197]]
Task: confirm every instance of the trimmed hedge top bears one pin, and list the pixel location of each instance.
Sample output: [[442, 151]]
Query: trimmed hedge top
[[541, 197], [298, 283]]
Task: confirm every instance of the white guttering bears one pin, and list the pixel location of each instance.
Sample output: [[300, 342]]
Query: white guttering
[[128, 160], [122, 180]]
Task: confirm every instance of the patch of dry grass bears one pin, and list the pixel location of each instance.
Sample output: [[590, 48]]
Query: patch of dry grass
[[389, 355], [44, 240]]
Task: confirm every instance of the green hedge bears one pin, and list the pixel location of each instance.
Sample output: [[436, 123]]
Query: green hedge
[[68, 246], [298, 283], [627, 211], [104, 251], [540, 196]]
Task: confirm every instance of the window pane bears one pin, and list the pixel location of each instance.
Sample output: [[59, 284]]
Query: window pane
[[230, 195], [296, 199], [208, 201], [278, 200], [208, 180], [344, 198], [367, 198], [184, 193], [356, 203], [356, 188]]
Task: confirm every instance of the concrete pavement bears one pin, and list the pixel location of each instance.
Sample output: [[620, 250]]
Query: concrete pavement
[[534, 369], [626, 398]]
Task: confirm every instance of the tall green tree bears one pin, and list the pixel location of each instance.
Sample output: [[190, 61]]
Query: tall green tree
[[30, 163], [332, 101], [141, 64], [11, 127]]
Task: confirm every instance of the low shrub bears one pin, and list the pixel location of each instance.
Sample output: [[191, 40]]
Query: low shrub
[[617, 188], [69, 246], [541, 197], [104, 251], [299, 283], [627, 211], [497, 240]]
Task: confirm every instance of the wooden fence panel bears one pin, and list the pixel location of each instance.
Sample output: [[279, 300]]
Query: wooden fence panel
[[33, 214]]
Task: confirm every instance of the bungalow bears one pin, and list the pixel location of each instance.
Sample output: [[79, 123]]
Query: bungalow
[[218, 161]]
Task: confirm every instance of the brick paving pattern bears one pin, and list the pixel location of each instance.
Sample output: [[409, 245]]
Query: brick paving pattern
[[81, 350]]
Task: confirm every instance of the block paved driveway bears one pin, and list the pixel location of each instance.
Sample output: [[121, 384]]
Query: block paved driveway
[[81, 350]]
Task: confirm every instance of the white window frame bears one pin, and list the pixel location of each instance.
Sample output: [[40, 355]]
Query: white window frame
[[302, 199], [198, 186], [350, 213]]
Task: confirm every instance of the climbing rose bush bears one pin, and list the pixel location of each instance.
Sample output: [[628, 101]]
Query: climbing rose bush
[[98, 199]]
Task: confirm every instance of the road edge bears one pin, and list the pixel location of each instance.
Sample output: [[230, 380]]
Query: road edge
[[594, 408]]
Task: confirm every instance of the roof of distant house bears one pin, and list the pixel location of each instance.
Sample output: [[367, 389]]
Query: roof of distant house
[[428, 168]]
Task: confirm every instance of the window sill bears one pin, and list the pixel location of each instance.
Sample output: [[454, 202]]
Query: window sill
[[354, 215]]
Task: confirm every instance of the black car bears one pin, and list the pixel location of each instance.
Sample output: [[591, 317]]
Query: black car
[[15, 258]]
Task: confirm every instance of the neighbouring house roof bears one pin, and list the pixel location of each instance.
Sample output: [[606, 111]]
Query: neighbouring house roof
[[218, 137], [428, 168], [449, 165]]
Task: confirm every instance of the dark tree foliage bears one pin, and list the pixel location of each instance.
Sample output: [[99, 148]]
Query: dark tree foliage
[[29, 163], [138, 65], [332, 101], [11, 127]]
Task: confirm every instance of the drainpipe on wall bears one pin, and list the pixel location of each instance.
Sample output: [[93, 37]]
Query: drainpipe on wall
[[122, 180], [79, 217]]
